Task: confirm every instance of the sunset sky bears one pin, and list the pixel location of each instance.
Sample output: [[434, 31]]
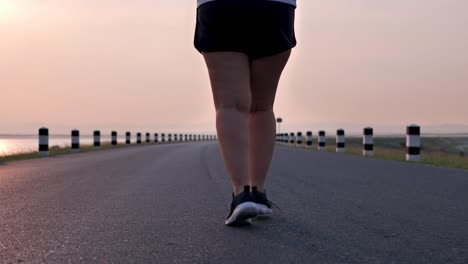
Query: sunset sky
[[131, 65]]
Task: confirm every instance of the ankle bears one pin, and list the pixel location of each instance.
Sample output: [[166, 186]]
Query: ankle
[[241, 188], [258, 188]]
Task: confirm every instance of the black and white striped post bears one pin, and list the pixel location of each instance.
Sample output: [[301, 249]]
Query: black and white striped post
[[309, 139], [156, 138], [181, 137], [175, 138], [97, 138], [299, 139], [43, 142], [291, 139], [138, 138], [163, 137], [322, 141], [128, 138], [340, 140], [368, 142], [169, 137], [190, 137], [114, 138], [75, 141], [185, 137], [148, 139], [413, 143]]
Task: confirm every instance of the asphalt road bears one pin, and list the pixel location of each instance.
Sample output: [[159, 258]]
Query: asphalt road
[[167, 203]]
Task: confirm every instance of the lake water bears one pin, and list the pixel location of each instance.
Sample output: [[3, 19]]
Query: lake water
[[14, 144]]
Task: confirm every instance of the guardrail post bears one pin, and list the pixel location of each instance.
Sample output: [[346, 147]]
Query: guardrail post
[[169, 138], [309, 139], [148, 139], [299, 139], [322, 141], [75, 141], [43, 142], [114, 138], [340, 140], [138, 138], [413, 143], [128, 138], [163, 137], [368, 142], [291, 139], [155, 137], [97, 138]]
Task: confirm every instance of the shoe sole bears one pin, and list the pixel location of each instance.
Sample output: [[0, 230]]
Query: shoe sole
[[263, 209], [242, 214]]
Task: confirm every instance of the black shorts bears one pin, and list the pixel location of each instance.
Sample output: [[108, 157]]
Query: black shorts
[[258, 28]]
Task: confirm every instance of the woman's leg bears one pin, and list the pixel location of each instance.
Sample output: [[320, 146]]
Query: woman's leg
[[230, 82], [265, 74]]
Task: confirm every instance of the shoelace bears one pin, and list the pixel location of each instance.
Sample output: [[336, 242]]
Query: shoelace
[[271, 204], [264, 200]]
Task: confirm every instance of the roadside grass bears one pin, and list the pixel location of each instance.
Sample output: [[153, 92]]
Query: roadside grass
[[431, 157], [433, 151]]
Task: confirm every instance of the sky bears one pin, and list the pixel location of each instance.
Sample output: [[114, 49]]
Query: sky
[[131, 65]]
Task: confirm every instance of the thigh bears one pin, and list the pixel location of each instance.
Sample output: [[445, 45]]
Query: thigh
[[230, 79], [265, 74]]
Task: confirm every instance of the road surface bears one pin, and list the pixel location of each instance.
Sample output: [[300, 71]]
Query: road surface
[[167, 203]]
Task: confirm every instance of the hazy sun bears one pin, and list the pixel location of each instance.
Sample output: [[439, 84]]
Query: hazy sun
[[3, 148]]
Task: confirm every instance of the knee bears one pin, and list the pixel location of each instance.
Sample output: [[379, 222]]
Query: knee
[[240, 105], [260, 107]]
